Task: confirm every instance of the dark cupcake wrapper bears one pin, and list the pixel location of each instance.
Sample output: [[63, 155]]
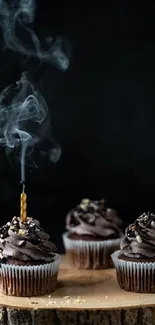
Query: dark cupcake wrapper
[[134, 276], [28, 281], [84, 254]]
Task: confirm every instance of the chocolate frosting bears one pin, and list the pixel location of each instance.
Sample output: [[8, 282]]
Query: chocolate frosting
[[139, 240], [25, 241], [95, 219]]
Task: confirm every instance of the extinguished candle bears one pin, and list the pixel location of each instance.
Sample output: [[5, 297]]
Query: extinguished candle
[[23, 206]]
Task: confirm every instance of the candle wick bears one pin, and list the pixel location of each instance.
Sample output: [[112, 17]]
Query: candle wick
[[23, 190], [23, 186]]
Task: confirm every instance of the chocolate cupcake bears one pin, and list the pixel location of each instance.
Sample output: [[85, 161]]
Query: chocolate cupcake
[[29, 264], [94, 233], [135, 262]]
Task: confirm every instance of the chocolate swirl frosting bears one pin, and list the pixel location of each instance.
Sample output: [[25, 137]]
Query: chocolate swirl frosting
[[139, 240], [92, 218], [25, 241]]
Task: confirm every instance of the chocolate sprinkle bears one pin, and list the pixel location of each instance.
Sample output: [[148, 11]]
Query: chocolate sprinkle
[[139, 240], [25, 241]]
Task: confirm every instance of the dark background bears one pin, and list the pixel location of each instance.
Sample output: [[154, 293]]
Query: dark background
[[103, 115]]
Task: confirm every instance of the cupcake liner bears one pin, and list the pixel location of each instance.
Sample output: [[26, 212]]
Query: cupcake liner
[[25, 281], [90, 254], [134, 276]]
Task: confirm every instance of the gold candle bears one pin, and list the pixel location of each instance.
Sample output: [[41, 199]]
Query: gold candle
[[23, 206]]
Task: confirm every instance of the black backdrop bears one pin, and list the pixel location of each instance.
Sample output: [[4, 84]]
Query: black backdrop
[[103, 115]]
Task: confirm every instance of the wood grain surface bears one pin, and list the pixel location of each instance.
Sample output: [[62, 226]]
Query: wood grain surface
[[82, 297]]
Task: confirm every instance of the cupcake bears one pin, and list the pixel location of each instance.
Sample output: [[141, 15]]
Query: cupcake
[[29, 264], [93, 234], [135, 261]]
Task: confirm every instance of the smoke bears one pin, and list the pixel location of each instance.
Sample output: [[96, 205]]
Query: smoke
[[23, 111], [15, 16], [23, 120]]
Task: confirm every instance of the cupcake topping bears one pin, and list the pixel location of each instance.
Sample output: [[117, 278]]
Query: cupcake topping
[[95, 219], [25, 241], [139, 240]]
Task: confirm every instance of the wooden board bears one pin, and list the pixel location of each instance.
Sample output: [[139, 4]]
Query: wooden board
[[86, 289], [94, 296]]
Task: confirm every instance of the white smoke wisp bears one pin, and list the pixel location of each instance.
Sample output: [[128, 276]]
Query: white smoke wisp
[[15, 17], [23, 113]]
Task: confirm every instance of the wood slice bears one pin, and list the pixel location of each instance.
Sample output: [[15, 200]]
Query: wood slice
[[82, 297]]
